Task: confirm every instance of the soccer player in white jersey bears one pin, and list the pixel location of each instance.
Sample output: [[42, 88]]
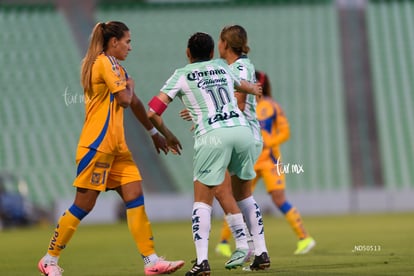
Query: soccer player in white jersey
[[223, 140], [233, 48]]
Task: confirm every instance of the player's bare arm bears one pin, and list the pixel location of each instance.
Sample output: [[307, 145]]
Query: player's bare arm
[[249, 88], [124, 97], [157, 105], [140, 113], [241, 100]]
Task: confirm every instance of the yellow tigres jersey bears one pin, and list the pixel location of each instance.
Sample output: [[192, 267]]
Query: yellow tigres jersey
[[275, 131], [103, 128]]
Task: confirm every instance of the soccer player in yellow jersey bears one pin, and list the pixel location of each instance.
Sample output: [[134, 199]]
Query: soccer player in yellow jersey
[[103, 159], [275, 131]]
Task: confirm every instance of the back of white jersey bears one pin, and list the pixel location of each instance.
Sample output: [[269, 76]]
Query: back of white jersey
[[244, 69], [207, 90]]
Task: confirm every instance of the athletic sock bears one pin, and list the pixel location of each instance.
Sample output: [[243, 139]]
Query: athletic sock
[[238, 229], [139, 226], [201, 223], [254, 221], [64, 230], [150, 259], [293, 217]]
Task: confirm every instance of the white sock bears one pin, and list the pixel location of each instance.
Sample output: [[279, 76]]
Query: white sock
[[49, 259], [238, 229], [201, 222], [254, 221], [150, 259]]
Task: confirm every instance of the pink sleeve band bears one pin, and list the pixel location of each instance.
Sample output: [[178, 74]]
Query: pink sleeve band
[[157, 105]]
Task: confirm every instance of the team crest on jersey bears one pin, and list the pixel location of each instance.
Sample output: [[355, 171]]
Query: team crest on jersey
[[96, 177], [116, 69]]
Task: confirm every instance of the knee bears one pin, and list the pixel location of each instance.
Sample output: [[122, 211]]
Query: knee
[[278, 198], [243, 190]]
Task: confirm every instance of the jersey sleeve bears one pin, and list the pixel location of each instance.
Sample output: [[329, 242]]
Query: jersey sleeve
[[282, 129], [112, 73], [241, 71], [173, 85], [273, 122]]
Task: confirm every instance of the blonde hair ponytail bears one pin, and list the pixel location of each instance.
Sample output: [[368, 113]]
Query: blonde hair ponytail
[[101, 34], [96, 46]]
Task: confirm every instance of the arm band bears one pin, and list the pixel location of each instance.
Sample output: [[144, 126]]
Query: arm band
[[157, 105]]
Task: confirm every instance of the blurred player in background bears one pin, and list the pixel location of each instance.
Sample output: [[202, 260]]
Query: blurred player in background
[[223, 140], [275, 131], [103, 159]]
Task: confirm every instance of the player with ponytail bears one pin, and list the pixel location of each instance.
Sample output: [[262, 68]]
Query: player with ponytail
[[103, 159]]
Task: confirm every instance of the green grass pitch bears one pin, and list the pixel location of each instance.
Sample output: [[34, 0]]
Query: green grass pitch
[[375, 244]]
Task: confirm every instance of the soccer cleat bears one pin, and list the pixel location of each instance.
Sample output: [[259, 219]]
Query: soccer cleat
[[51, 269], [163, 267], [260, 262], [223, 249], [304, 246], [202, 269], [238, 258]]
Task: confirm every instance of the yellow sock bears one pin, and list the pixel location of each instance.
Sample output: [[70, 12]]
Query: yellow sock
[[140, 228], [64, 230], [225, 232], [295, 220]]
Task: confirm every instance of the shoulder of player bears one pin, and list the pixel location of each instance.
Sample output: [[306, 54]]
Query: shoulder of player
[[107, 60], [266, 107], [276, 104], [238, 65], [278, 108]]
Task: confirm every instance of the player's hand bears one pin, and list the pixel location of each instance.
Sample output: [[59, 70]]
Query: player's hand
[[174, 145], [185, 115], [257, 89], [160, 143], [130, 83]]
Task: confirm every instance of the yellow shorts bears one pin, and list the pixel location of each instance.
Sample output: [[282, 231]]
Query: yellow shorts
[[272, 178], [101, 171]]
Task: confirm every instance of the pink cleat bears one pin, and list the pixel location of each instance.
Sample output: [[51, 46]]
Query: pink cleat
[[51, 269], [163, 267]]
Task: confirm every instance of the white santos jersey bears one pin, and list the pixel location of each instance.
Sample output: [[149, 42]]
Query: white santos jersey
[[207, 90], [244, 69]]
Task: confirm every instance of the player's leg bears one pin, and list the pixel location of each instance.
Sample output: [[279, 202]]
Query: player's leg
[[201, 225], [235, 221], [252, 214], [125, 178], [90, 180], [66, 227], [223, 247], [243, 173], [275, 186], [211, 156]]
